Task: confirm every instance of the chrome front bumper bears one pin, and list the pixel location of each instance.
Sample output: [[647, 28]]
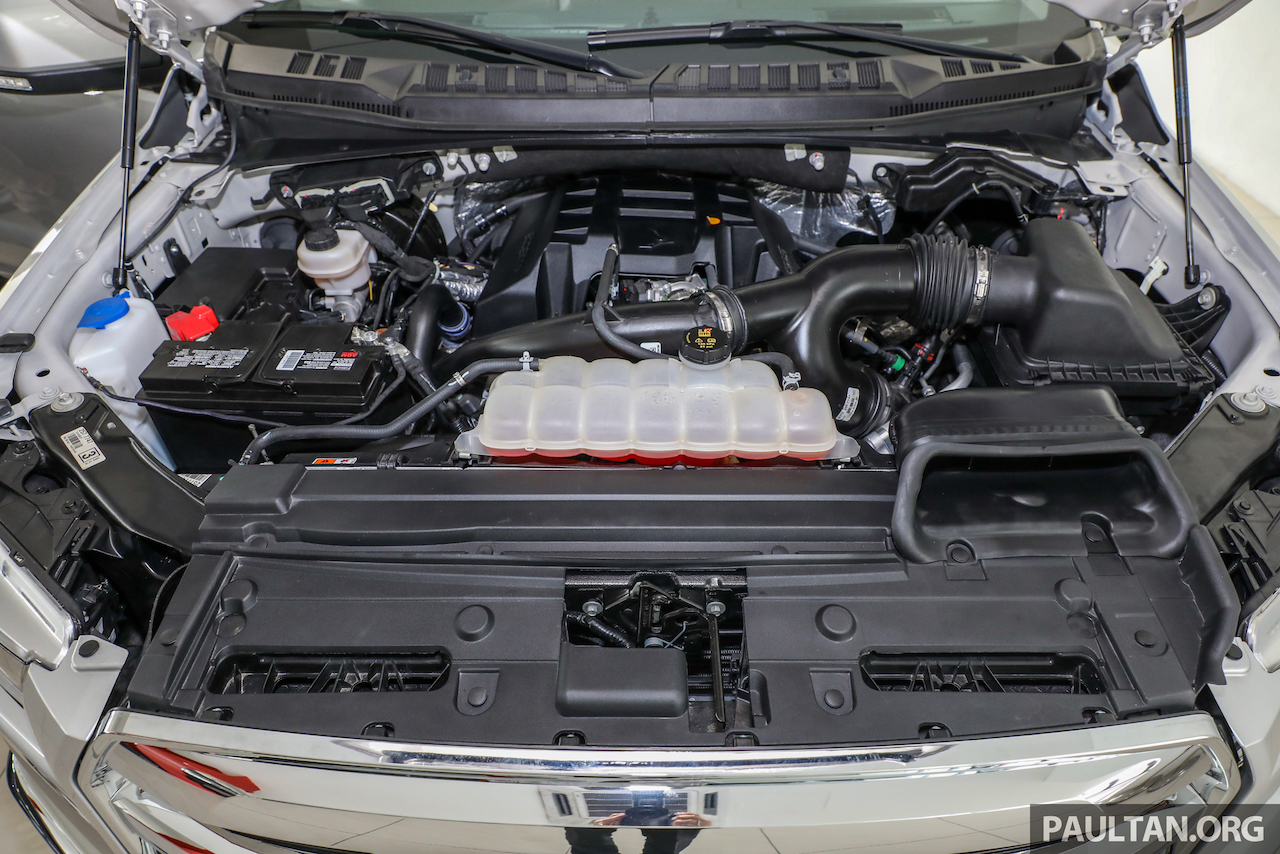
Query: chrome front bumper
[[230, 789]]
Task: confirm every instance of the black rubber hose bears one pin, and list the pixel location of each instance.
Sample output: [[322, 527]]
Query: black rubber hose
[[381, 398], [412, 268], [608, 273], [780, 361], [374, 432], [434, 306], [600, 629]]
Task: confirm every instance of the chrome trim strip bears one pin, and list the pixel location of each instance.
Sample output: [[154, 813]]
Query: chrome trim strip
[[319, 791]]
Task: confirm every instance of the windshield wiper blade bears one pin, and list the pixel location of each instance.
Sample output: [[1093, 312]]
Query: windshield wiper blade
[[414, 28], [765, 31]]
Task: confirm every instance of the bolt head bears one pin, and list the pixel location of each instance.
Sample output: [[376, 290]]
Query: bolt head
[[593, 607], [483, 161], [818, 160], [716, 608], [1248, 402], [1207, 298]]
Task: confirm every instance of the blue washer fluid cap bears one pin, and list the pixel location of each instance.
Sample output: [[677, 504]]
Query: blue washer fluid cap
[[102, 312]]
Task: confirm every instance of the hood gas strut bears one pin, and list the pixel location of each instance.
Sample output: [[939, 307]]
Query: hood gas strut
[[128, 142], [1182, 115]]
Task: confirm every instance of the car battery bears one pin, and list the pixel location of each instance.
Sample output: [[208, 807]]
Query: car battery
[[295, 374]]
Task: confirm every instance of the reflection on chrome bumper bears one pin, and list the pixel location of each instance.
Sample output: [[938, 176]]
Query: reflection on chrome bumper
[[215, 785]]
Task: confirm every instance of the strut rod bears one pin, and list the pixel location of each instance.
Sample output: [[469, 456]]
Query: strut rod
[[1182, 118], [128, 142]]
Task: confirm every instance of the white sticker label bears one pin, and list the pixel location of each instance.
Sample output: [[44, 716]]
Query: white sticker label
[[83, 448], [197, 479], [794, 151], [851, 398], [212, 359], [290, 360], [652, 346]]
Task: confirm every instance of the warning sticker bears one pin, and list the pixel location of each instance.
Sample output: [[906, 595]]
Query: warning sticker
[[83, 448], [197, 479], [317, 360], [334, 461], [213, 359]]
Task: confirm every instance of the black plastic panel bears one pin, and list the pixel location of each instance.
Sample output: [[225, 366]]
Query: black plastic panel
[[363, 563]]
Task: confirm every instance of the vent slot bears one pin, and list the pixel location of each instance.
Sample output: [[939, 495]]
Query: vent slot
[[353, 69], [556, 81], [526, 79], [809, 76], [688, 78], [869, 74], [748, 78], [495, 78], [1010, 66], [981, 66], [930, 106], [613, 84], [563, 805], [779, 77], [327, 66], [263, 673], [585, 84], [437, 77], [370, 107], [718, 78], [1004, 673], [953, 67], [300, 63]]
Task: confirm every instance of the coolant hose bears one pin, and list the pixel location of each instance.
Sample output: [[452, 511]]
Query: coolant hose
[[374, 432], [608, 274], [965, 368]]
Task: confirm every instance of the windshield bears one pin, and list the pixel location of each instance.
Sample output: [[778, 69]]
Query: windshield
[[981, 23]]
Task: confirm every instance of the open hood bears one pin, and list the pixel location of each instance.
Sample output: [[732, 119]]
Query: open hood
[[163, 23]]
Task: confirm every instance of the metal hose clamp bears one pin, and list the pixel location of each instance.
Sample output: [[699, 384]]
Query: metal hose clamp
[[981, 284]]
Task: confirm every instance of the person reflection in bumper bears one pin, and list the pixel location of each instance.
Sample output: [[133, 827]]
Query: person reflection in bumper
[[664, 832]]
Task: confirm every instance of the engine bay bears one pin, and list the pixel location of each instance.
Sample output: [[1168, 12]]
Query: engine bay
[[650, 456]]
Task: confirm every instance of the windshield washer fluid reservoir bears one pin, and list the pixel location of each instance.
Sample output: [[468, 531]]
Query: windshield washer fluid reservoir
[[114, 343], [655, 410]]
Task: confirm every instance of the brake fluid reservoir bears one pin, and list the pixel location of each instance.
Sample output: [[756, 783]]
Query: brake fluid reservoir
[[338, 259], [654, 410]]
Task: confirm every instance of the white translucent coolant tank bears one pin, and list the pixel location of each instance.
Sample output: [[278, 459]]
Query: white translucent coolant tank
[[657, 410]]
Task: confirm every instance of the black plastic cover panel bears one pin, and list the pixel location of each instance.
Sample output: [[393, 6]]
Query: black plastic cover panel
[[471, 564]]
